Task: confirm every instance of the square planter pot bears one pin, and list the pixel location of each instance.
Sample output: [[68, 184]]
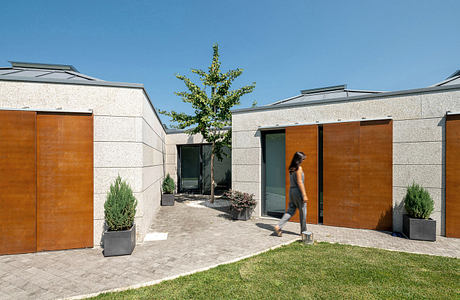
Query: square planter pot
[[419, 229], [167, 199], [119, 242], [243, 215]]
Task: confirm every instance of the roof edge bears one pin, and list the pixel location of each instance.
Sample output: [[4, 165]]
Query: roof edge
[[77, 82], [352, 98], [177, 131]]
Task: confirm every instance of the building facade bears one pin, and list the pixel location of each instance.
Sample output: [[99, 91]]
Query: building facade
[[363, 150], [66, 136], [126, 136]]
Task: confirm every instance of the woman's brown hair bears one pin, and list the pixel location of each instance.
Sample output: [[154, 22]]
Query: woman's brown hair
[[296, 161]]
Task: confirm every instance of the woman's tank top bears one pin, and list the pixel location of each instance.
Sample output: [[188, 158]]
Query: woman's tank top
[[293, 180]]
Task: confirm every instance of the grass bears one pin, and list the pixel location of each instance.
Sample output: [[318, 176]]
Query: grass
[[321, 271]]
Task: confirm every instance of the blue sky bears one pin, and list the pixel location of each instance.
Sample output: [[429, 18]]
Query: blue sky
[[284, 46]]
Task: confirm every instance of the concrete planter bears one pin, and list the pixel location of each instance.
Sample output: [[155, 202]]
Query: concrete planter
[[167, 199], [119, 242], [419, 229], [243, 215]]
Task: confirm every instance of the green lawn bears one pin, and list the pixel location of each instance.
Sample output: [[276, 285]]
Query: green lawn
[[320, 271]]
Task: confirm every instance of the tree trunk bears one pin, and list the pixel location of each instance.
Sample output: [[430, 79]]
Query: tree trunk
[[212, 174]]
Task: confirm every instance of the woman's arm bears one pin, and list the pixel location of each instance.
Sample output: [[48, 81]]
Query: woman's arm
[[298, 176]]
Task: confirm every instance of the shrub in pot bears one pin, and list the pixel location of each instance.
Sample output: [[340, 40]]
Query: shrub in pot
[[242, 204], [119, 210], [419, 205], [167, 197]]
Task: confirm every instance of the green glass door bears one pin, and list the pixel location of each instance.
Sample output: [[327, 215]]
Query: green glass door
[[222, 171], [194, 170], [274, 200], [190, 169]]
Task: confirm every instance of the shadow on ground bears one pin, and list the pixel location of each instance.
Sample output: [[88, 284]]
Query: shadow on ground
[[221, 203], [271, 228]]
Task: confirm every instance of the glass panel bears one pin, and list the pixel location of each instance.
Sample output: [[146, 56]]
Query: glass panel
[[320, 173], [190, 168], [275, 199], [222, 171]]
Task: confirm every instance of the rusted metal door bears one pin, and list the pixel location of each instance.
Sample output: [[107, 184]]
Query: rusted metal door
[[376, 175], [357, 164], [341, 174], [453, 176], [17, 182], [304, 139], [64, 181]]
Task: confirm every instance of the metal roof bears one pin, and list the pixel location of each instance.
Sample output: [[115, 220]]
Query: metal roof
[[43, 71], [433, 89], [452, 79], [17, 72], [330, 92], [455, 74]]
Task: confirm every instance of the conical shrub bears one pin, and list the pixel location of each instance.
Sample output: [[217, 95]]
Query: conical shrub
[[120, 206], [418, 202], [168, 185]]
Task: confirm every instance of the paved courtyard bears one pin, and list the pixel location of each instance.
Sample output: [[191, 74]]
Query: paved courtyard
[[199, 237]]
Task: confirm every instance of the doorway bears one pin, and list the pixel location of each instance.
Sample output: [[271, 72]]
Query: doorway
[[194, 170], [273, 171]]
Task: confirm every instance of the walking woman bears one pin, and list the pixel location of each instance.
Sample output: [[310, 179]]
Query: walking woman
[[297, 195]]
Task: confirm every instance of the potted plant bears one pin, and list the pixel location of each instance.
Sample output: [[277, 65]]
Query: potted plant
[[119, 210], [416, 223], [242, 204], [167, 197]]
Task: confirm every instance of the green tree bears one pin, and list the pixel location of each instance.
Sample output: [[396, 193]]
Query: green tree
[[212, 104]]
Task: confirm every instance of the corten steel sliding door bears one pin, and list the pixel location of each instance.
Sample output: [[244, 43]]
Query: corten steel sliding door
[[341, 174], [17, 182], [304, 139], [376, 176], [64, 181], [453, 176], [357, 166]]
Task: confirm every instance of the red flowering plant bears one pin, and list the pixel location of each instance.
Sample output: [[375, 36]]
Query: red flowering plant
[[240, 200]]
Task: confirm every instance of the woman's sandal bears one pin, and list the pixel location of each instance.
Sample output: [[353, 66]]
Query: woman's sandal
[[278, 231]]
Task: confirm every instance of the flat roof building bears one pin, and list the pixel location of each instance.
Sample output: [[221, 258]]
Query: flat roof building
[[363, 149]]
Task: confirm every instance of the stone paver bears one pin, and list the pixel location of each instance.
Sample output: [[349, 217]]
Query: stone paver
[[199, 237]]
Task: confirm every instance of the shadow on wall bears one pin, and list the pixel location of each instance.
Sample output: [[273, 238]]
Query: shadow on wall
[[101, 240], [225, 183]]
